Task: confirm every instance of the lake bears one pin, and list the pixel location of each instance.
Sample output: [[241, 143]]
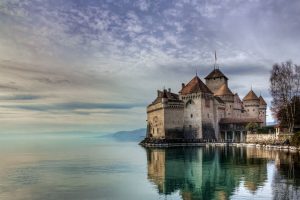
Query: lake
[[53, 166]]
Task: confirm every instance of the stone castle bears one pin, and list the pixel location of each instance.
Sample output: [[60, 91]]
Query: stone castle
[[209, 111]]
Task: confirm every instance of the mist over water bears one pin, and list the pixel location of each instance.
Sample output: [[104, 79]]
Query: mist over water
[[89, 167]]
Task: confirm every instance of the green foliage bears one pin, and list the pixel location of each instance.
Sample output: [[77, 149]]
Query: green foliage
[[296, 139], [251, 126], [266, 130]]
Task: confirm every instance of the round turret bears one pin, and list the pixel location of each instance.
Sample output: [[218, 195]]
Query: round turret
[[251, 104]]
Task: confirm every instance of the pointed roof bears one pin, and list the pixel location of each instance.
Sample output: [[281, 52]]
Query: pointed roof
[[250, 96], [216, 73], [194, 86], [262, 101], [223, 90], [237, 97]]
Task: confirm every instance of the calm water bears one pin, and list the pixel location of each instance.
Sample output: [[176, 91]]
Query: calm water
[[86, 167]]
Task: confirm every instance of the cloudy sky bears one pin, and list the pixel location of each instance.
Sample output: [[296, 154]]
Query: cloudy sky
[[93, 65]]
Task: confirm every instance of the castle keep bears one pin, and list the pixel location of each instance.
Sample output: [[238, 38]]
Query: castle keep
[[209, 111]]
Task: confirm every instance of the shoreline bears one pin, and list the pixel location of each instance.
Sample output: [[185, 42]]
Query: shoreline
[[214, 144]]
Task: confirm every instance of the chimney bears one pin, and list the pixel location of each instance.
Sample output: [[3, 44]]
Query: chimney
[[182, 85], [169, 90], [158, 93]]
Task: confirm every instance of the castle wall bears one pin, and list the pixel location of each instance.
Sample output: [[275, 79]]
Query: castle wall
[[262, 114], [215, 84], [155, 121], [192, 123], [252, 108], [208, 118], [173, 117]]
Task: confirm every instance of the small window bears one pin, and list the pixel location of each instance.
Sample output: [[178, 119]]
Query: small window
[[207, 115], [248, 110], [253, 109], [191, 115]]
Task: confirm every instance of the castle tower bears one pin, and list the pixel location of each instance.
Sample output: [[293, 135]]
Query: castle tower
[[228, 97], [262, 110], [215, 79], [165, 116], [251, 104], [198, 110]]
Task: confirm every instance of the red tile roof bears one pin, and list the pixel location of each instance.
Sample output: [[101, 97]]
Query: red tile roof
[[262, 101], [195, 86], [223, 90], [250, 96]]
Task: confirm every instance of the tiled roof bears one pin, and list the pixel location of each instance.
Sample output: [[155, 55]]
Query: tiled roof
[[194, 86], [216, 73], [223, 90], [250, 96], [262, 101], [239, 120]]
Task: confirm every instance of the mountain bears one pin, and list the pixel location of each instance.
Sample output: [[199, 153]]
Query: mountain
[[134, 135]]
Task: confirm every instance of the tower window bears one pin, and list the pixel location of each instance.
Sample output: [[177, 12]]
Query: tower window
[[207, 115], [191, 115]]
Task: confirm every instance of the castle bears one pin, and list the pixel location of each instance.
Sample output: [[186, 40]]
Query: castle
[[209, 111]]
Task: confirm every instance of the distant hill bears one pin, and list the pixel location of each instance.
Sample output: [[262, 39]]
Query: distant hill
[[134, 135]]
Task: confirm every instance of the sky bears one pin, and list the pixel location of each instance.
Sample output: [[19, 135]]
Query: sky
[[94, 65]]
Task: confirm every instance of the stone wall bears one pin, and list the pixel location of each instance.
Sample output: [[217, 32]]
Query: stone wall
[[155, 121], [193, 115], [252, 108], [215, 84], [173, 117], [267, 138]]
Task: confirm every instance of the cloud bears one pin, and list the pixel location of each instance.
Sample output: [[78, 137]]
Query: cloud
[[21, 97], [60, 53], [70, 106]]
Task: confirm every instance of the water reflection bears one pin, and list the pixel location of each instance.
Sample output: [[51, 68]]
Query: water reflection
[[224, 173]]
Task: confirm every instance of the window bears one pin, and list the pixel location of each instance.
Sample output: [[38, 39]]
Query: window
[[191, 115], [253, 109], [207, 115]]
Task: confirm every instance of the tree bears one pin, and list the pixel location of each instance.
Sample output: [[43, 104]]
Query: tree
[[251, 126], [281, 115], [285, 88]]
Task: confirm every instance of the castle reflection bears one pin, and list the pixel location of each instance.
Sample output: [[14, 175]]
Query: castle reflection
[[217, 172]]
